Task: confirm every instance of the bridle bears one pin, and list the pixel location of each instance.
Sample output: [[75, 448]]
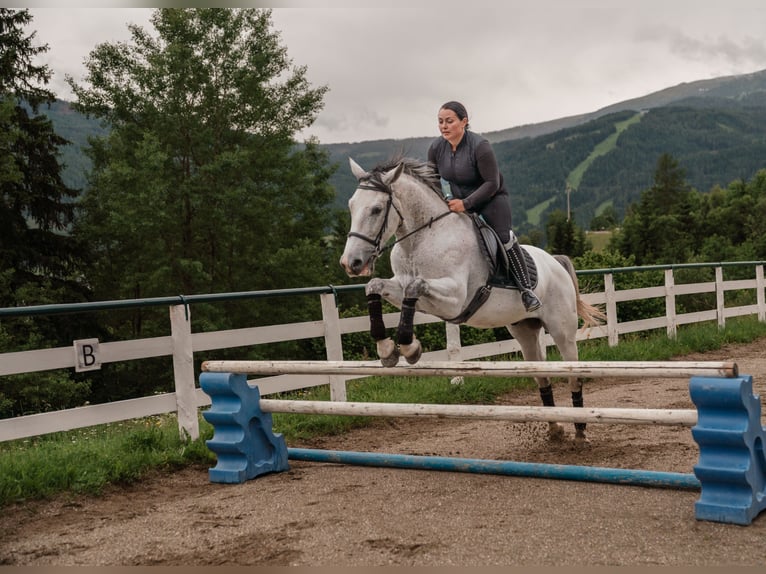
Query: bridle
[[377, 185]]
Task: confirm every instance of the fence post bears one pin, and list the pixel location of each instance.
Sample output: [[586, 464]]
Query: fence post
[[759, 293], [333, 343], [183, 371], [670, 303], [454, 347], [611, 309], [719, 297]]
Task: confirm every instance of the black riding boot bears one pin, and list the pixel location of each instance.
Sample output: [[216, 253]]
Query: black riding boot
[[521, 275]]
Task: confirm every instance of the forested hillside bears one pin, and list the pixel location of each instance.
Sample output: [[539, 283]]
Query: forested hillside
[[716, 129], [713, 145]]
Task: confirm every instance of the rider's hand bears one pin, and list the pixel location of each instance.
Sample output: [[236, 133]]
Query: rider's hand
[[456, 205]]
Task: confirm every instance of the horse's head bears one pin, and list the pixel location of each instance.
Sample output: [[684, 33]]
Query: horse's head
[[374, 218]]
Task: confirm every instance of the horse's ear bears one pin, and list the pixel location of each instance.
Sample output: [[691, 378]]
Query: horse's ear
[[392, 175], [357, 170]]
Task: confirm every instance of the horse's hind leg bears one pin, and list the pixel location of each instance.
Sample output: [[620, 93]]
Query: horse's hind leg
[[528, 334], [567, 345]]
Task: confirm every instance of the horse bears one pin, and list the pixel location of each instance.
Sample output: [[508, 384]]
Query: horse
[[441, 269]]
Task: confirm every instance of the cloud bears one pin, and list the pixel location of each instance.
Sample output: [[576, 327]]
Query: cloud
[[734, 50]]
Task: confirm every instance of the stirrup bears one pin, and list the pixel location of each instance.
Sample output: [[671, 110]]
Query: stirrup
[[530, 300]]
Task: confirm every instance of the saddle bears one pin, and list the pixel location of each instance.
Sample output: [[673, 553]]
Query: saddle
[[499, 268], [491, 247]]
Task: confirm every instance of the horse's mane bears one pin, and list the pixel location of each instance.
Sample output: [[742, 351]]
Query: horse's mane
[[423, 171]]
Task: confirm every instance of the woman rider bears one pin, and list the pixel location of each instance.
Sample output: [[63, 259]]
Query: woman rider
[[466, 160]]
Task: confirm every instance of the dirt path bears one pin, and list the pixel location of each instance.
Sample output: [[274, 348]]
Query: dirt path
[[331, 515]]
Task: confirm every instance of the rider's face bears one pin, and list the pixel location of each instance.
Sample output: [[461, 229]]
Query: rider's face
[[451, 127]]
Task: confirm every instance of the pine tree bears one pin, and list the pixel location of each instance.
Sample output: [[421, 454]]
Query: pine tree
[[39, 260], [37, 255]]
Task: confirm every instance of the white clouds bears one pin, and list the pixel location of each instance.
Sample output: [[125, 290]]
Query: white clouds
[[510, 63]]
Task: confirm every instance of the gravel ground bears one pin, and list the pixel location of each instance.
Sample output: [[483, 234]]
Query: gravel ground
[[332, 515]]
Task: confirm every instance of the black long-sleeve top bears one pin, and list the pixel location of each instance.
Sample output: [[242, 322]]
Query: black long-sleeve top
[[471, 169]]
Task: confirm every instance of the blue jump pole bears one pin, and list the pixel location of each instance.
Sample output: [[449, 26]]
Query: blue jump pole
[[508, 468]]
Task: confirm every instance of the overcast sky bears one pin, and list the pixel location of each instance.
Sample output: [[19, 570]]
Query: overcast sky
[[511, 62]]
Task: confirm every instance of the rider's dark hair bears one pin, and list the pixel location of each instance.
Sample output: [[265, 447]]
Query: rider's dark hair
[[458, 108]]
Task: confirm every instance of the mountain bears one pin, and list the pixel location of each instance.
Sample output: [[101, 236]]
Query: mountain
[[76, 128], [715, 128]]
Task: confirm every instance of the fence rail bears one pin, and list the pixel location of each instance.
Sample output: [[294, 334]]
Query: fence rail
[[182, 344]]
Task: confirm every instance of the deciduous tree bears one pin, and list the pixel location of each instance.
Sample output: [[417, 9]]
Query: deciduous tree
[[200, 184]]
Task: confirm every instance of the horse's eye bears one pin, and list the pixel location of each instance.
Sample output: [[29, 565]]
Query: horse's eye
[[376, 210]]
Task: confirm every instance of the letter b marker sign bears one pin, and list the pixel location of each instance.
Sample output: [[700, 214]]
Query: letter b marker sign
[[86, 355]]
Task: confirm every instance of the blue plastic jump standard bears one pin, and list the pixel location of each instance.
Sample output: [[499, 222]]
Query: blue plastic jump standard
[[732, 463], [242, 439]]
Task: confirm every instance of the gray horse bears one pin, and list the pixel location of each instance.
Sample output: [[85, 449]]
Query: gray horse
[[441, 268]]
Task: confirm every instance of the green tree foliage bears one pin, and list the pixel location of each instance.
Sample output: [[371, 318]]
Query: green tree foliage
[[672, 223], [36, 208], [661, 228], [564, 236], [733, 221], [199, 185], [39, 261], [605, 220]]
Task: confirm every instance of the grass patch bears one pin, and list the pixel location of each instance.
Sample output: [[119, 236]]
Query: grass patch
[[599, 239], [535, 214], [86, 460]]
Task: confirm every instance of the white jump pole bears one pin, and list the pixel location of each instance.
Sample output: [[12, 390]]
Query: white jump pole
[[658, 369], [677, 417]]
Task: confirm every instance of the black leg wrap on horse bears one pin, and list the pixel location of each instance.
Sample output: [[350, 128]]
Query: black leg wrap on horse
[[546, 393], [375, 310], [578, 402], [404, 332]]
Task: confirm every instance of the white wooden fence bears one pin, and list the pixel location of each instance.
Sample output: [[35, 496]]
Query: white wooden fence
[[182, 344]]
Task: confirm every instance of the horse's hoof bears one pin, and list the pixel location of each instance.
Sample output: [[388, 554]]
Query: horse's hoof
[[459, 380], [392, 360], [412, 352], [581, 441], [556, 432], [412, 359]]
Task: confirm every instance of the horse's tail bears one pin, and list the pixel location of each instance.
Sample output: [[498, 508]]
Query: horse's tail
[[591, 315]]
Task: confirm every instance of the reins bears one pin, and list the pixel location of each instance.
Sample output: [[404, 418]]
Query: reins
[[430, 222]]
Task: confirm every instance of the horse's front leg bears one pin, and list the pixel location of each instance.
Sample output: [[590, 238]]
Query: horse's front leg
[[439, 296], [385, 346], [409, 345]]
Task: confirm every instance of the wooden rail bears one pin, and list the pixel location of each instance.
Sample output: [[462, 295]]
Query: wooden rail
[[623, 369]]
